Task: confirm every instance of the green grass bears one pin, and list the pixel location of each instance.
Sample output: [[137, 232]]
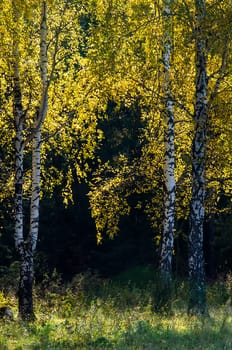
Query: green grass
[[94, 314]]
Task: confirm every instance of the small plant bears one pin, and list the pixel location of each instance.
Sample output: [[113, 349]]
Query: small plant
[[3, 300], [228, 286], [5, 311]]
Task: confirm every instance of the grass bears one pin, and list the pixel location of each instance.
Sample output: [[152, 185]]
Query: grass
[[91, 313]]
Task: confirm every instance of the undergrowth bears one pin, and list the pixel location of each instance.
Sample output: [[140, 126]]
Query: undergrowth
[[92, 313]]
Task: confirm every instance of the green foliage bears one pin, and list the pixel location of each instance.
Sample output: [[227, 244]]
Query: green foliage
[[91, 314]]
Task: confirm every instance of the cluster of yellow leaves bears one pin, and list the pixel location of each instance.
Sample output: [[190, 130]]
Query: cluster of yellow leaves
[[130, 67], [115, 54]]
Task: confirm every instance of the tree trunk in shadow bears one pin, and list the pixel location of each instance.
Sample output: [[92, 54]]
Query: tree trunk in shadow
[[25, 296], [210, 247]]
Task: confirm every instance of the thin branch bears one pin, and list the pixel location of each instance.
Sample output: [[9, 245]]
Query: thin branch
[[221, 72], [189, 16]]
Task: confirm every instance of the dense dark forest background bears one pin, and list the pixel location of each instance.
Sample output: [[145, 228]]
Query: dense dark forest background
[[67, 240]]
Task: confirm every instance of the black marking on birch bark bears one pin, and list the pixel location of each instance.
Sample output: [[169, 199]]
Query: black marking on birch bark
[[18, 189]]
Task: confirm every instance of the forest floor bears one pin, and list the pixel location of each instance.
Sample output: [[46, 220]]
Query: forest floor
[[91, 313]]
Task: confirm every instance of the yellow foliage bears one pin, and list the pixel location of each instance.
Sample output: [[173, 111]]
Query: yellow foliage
[[121, 62]]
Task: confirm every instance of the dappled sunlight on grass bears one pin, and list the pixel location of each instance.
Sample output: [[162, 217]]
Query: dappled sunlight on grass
[[112, 316]]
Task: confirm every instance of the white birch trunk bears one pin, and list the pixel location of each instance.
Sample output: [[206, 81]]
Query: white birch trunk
[[18, 116], [35, 195], [36, 147], [19, 144], [197, 300], [26, 268], [26, 311], [169, 148], [163, 301]]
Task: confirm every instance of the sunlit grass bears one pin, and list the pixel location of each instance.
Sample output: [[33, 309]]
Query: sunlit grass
[[106, 315]]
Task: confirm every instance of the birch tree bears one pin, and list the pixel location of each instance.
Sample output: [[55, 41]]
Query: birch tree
[[169, 148], [19, 115], [197, 298], [26, 247], [44, 64]]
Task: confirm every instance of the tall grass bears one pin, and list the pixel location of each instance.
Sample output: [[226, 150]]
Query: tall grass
[[91, 313]]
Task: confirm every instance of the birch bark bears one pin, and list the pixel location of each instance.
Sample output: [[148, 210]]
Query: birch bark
[[169, 158], [197, 298], [26, 268], [36, 146], [165, 263], [26, 248], [19, 145]]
